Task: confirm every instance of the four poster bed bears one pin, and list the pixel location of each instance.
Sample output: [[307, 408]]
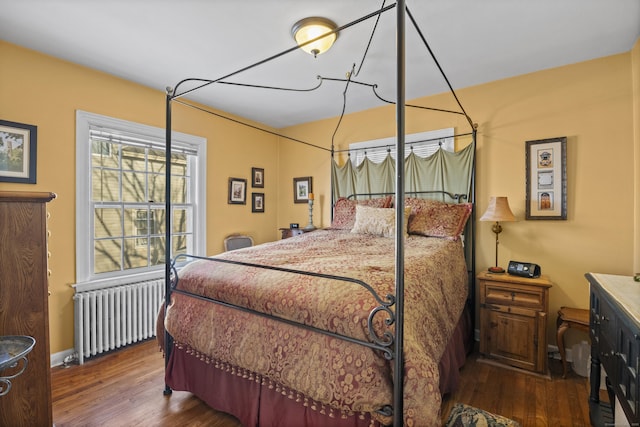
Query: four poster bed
[[363, 323]]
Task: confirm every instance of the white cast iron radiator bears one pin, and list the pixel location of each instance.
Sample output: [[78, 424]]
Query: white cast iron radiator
[[111, 318]]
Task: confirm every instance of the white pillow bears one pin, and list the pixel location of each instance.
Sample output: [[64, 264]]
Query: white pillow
[[378, 221]]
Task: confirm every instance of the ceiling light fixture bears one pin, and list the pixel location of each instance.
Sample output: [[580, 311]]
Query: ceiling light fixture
[[311, 28]]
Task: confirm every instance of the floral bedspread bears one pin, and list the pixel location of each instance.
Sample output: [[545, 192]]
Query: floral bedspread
[[343, 375]]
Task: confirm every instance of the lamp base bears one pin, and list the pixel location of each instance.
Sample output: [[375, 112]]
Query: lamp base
[[496, 270]]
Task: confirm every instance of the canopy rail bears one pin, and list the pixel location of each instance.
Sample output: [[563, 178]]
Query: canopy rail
[[457, 197], [206, 82], [444, 76], [240, 122], [410, 144]]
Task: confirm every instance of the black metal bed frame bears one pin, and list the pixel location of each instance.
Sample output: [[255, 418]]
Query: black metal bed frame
[[391, 345]]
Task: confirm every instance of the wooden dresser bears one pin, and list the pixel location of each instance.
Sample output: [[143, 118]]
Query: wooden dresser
[[24, 304], [614, 323], [513, 320]]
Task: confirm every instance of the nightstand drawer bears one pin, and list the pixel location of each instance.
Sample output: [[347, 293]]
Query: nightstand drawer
[[520, 311], [524, 296]]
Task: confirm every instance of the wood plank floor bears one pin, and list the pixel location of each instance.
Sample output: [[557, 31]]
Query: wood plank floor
[[124, 388]]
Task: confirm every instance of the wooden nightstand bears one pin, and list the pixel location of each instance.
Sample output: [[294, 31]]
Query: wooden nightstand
[[513, 320], [290, 232]]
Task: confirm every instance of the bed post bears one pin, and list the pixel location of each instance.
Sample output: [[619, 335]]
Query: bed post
[[398, 383], [331, 178], [472, 252], [168, 339]]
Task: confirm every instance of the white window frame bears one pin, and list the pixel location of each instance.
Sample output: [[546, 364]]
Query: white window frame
[[85, 279], [423, 143]]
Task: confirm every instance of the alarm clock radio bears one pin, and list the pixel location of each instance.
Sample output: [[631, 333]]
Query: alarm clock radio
[[524, 269]]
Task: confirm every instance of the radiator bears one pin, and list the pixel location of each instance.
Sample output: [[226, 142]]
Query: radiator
[[110, 318]]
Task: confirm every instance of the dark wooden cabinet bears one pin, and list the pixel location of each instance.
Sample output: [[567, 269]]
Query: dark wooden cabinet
[[24, 304], [614, 327], [513, 320]]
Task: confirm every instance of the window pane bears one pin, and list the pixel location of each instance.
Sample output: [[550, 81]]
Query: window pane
[[181, 220], [104, 153], [179, 164], [157, 188], [134, 158], [133, 187], [157, 159], [136, 255], [159, 226], [181, 244], [107, 222], [107, 255], [137, 222], [157, 251], [178, 189], [105, 185]]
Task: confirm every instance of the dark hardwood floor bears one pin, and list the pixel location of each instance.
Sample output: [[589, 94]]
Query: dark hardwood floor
[[125, 388]]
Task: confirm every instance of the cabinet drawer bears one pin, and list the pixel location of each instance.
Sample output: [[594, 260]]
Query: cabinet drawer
[[523, 296]]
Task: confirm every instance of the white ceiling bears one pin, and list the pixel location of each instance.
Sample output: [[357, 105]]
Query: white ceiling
[[158, 43]]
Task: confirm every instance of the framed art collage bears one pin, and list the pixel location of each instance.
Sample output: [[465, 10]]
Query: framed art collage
[[546, 178]]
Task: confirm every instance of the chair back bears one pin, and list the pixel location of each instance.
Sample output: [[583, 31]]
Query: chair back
[[237, 241]]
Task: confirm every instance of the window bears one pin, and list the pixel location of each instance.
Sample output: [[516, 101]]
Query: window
[[423, 144], [121, 191]]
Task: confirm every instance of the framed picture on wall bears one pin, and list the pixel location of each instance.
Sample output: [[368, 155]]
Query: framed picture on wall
[[302, 187], [257, 177], [546, 178], [18, 152], [237, 191], [257, 202]]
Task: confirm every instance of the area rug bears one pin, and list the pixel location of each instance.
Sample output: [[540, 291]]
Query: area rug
[[467, 416]]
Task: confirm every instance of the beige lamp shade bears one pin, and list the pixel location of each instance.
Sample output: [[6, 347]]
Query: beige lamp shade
[[498, 210], [311, 28]]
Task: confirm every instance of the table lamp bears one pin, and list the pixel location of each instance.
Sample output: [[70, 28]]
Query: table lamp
[[310, 226], [497, 211]]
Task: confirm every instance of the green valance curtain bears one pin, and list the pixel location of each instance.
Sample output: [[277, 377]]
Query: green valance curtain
[[442, 171]]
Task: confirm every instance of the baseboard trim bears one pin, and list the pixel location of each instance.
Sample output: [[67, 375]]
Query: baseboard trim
[[57, 359]]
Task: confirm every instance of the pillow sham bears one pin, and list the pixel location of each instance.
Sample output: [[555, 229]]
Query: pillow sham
[[378, 221], [344, 210], [437, 219]]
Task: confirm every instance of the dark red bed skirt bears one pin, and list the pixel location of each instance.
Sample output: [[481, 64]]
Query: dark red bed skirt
[[260, 403]]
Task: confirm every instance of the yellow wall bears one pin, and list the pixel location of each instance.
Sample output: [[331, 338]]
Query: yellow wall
[[592, 103], [46, 92]]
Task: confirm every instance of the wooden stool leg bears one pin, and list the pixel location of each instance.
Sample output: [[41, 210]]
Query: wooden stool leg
[[562, 328]]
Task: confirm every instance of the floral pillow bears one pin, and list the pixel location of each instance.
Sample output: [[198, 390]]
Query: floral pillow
[[378, 221], [437, 219], [344, 210]]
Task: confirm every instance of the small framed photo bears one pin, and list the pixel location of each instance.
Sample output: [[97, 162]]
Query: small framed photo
[[546, 179], [18, 152], [237, 191], [302, 187], [257, 177], [257, 202]]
